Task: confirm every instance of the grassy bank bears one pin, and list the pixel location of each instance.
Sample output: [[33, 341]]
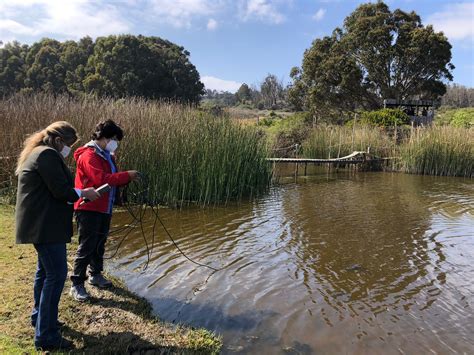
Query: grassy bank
[[187, 154], [115, 321]]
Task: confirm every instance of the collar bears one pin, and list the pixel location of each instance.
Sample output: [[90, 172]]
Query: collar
[[101, 152]]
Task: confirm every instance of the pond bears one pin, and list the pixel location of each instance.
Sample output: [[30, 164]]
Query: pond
[[332, 263]]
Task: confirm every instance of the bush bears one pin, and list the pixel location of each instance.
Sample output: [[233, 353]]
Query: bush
[[267, 121], [463, 117], [386, 117]]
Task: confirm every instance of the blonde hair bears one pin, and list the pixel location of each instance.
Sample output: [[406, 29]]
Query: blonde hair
[[47, 136]]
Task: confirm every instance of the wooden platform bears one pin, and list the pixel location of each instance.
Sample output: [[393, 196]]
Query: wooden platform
[[356, 157], [315, 161]]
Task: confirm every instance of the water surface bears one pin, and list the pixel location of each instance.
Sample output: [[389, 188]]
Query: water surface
[[334, 263]]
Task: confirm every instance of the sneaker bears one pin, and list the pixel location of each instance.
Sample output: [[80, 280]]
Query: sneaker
[[99, 281], [79, 293], [63, 344]]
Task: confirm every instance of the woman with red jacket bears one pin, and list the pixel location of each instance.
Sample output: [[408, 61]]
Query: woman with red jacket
[[95, 167]]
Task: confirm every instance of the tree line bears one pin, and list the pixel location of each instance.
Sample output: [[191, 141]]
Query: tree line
[[458, 96], [271, 93], [114, 66]]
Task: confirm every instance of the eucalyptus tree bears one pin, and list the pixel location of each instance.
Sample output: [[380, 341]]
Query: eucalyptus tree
[[377, 54]]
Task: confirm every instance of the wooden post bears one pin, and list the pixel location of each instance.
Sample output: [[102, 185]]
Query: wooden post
[[353, 130], [296, 156]]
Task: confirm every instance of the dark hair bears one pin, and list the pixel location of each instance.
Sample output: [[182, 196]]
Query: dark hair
[[107, 129]]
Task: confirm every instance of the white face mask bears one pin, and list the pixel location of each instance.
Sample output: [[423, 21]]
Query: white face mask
[[65, 151], [111, 146]]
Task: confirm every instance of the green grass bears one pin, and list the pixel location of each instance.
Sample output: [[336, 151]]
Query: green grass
[[187, 155], [116, 321]]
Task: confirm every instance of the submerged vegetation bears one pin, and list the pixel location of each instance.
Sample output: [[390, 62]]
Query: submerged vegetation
[[186, 154]]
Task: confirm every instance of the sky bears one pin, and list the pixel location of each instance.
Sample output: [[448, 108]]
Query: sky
[[231, 41]]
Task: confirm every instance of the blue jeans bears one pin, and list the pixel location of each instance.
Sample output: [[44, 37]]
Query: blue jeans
[[49, 283]]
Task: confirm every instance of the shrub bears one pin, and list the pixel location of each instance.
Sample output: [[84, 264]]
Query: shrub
[[463, 117], [386, 117]]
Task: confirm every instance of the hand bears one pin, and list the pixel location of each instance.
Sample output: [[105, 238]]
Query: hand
[[134, 175], [90, 194]]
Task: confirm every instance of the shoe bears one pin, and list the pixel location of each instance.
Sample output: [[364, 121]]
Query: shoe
[[79, 293], [63, 344], [59, 324], [99, 281]]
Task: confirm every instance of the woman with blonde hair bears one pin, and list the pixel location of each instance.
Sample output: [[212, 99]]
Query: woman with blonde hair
[[44, 208]]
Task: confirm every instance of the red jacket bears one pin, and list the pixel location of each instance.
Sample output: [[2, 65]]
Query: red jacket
[[93, 170]]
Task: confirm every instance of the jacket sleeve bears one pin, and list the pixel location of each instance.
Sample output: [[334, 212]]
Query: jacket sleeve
[[50, 168], [91, 166]]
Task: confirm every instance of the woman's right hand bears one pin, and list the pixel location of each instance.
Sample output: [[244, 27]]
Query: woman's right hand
[[90, 194], [134, 175]]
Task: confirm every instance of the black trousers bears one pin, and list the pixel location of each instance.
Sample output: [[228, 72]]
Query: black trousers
[[93, 228]]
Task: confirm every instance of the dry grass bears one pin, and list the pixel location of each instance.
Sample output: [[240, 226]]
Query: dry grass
[[115, 321], [336, 141]]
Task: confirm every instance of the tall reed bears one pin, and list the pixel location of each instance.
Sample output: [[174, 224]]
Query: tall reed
[[444, 150], [326, 142], [187, 155]]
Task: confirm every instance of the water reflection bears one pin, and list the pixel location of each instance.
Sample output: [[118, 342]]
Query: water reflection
[[334, 263]]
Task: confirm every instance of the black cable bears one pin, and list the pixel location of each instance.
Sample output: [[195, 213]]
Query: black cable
[[139, 216], [176, 245], [141, 200], [146, 191]]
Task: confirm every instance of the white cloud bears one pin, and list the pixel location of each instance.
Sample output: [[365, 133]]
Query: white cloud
[[15, 27], [211, 24], [456, 21], [64, 19], [261, 10], [179, 13], [211, 82], [319, 15]]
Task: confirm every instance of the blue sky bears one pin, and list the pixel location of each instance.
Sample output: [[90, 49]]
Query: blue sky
[[231, 42]]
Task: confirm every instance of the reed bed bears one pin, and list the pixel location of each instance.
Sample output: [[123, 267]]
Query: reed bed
[[326, 141], [435, 150], [186, 155], [445, 150]]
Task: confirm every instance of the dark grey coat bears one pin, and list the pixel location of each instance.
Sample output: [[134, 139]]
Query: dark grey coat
[[45, 186]]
